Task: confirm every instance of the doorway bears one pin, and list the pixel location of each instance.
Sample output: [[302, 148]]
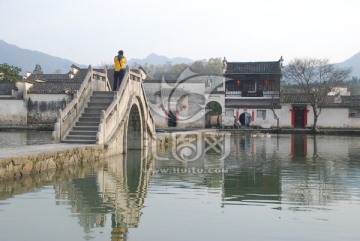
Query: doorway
[[172, 120], [299, 114], [213, 114]]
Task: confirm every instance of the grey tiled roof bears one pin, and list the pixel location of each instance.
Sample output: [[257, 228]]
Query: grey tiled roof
[[253, 68], [100, 70], [345, 101], [48, 77], [56, 83], [351, 100], [54, 87], [256, 104], [60, 83], [296, 98], [80, 75], [6, 87]]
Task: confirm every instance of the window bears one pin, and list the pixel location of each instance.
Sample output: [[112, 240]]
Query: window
[[261, 114], [251, 86], [354, 113], [229, 112], [270, 85], [232, 86]]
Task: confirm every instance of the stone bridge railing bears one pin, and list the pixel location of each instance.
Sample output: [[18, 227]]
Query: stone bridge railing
[[93, 81], [115, 117]]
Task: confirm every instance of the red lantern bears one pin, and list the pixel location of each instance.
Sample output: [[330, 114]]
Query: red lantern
[[238, 82], [266, 82]]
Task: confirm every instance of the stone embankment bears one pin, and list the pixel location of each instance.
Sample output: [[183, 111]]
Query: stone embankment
[[15, 163]]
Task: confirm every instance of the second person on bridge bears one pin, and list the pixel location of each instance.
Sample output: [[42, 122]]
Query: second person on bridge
[[119, 69]]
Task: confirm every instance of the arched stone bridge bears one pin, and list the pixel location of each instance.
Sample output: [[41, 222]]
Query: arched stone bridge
[[120, 120]]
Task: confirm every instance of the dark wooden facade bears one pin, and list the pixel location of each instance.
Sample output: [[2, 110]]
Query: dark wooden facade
[[252, 80]]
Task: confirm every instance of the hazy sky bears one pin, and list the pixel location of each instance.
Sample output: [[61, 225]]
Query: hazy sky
[[92, 31]]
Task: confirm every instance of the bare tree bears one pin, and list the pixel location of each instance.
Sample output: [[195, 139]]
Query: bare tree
[[276, 117], [107, 65], [314, 78]]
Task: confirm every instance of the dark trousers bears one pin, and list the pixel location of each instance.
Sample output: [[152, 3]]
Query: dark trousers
[[118, 76]]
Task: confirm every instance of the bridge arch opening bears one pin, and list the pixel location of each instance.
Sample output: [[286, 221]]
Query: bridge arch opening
[[134, 129]]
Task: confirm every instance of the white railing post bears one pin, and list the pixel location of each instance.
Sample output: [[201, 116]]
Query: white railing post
[[56, 134], [100, 136]]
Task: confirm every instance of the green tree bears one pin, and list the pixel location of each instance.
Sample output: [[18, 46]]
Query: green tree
[[214, 66], [10, 73], [199, 66], [354, 85], [214, 107]]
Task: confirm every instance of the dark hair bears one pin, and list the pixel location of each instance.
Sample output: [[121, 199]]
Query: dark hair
[[121, 52]]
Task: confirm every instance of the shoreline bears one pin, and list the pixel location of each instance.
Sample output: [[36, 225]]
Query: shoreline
[[28, 128], [308, 131], [32, 159], [40, 158]]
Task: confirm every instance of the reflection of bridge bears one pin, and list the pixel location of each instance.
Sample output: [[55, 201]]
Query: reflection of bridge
[[124, 186], [119, 119], [119, 189]]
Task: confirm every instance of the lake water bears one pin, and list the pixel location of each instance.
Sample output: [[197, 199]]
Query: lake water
[[287, 187], [10, 139]]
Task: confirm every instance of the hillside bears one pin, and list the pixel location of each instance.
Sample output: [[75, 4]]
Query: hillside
[[159, 60], [354, 63], [27, 59]]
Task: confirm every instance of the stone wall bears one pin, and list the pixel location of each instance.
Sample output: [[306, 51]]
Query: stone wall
[[43, 112], [329, 117], [16, 167], [186, 102], [37, 110], [13, 112], [29, 183], [42, 109]]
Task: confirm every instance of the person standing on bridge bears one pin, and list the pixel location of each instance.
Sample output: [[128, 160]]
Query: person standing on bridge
[[119, 69]]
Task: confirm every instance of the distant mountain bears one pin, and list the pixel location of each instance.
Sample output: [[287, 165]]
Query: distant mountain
[[159, 60], [354, 63], [28, 59]]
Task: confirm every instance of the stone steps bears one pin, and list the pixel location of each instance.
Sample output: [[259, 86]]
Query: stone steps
[[83, 133], [78, 141], [86, 128], [90, 119]]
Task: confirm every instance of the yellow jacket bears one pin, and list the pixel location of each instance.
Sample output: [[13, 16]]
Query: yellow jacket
[[119, 64]]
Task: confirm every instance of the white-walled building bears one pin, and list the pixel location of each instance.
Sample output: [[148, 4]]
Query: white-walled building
[[249, 92], [37, 99], [185, 102]]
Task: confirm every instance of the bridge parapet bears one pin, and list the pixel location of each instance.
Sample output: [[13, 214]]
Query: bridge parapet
[[115, 120], [66, 118]]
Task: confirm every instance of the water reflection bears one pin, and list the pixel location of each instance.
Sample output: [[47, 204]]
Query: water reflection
[[10, 139], [295, 177], [115, 186], [119, 189], [306, 171], [299, 146], [124, 186]]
